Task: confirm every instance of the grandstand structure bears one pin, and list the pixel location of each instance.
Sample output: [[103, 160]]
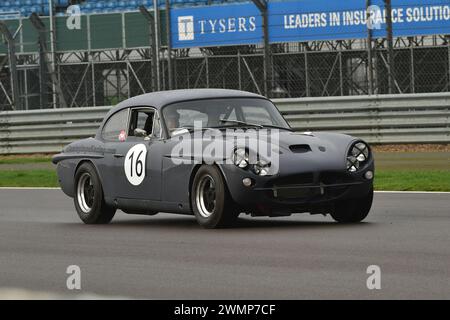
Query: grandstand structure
[[123, 48]]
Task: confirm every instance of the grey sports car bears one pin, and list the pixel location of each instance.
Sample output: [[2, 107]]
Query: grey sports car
[[215, 154]]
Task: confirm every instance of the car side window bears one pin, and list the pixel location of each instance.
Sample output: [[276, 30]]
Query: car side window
[[116, 127], [141, 119]]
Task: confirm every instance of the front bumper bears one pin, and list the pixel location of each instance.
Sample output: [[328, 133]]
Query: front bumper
[[296, 192]]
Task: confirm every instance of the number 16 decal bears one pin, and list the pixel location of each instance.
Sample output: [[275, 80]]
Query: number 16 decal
[[134, 164]]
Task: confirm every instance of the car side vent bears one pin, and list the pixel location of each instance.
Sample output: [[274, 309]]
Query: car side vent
[[300, 148]]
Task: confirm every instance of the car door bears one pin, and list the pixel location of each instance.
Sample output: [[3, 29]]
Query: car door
[[136, 163]]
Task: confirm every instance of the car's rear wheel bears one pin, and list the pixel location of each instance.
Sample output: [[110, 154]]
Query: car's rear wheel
[[211, 203], [89, 201], [353, 210]]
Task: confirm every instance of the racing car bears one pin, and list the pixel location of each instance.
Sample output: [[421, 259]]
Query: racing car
[[215, 154]]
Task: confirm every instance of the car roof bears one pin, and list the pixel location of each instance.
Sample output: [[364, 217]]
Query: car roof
[[162, 98]]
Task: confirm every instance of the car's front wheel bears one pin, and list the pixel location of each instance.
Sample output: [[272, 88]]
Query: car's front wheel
[[89, 201], [211, 203], [353, 210]]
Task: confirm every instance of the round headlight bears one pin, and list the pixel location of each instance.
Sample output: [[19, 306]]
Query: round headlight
[[361, 151], [240, 158], [358, 154], [352, 164], [261, 168]]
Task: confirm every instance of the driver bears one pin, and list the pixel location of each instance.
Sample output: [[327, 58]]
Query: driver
[[172, 121]]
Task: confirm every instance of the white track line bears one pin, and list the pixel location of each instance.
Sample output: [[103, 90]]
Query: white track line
[[28, 188], [393, 192], [24, 294], [414, 192]]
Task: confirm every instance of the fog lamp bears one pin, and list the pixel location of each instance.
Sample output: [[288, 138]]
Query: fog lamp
[[247, 182]]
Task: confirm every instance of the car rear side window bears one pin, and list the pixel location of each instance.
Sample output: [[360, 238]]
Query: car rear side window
[[115, 128]]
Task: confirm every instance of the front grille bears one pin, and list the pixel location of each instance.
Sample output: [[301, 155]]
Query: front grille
[[297, 179], [301, 193], [336, 177], [308, 178], [311, 186]]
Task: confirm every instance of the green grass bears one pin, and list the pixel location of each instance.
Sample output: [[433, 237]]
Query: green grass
[[28, 178], [386, 180], [24, 160], [412, 180]]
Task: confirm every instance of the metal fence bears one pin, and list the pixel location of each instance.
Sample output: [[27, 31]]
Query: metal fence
[[119, 55], [312, 69], [46, 131], [383, 119], [411, 118]]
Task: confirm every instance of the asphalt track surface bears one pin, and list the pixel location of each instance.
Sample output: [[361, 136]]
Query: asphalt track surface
[[171, 257]]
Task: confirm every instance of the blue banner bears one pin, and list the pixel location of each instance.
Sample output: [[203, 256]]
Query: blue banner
[[216, 26], [310, 20], [305, 20]]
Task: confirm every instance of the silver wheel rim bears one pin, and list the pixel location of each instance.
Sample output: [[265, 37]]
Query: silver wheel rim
[[205, 196], [85, 193]]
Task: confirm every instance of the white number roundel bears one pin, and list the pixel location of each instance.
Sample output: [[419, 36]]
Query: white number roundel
[[134, 164]]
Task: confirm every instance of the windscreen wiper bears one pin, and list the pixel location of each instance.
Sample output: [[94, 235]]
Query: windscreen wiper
[[276, 127], [242, 123]]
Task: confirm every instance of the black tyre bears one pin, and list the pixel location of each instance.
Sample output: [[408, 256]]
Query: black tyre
[[211, 203], [353, 210], [89, 201]]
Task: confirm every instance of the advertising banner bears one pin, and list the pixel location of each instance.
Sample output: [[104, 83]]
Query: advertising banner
[[237, 24], [305, 20]]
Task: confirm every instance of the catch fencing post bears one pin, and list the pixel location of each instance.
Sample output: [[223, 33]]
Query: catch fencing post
[[157, 43], [369, 46], [52, 49], [43, 63], [43, 81], [390, 44], [154, 50], [17, 105], [169, 45], [262, 6]]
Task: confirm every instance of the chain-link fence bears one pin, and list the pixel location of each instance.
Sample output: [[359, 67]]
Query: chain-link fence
[[314, 69]]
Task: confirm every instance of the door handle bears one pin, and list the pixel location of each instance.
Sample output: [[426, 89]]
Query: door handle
[[118, 155]]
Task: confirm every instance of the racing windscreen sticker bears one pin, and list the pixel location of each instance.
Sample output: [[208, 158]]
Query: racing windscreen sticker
[[135, 163]]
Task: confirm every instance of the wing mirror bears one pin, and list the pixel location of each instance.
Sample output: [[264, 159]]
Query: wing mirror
[[140, 133]]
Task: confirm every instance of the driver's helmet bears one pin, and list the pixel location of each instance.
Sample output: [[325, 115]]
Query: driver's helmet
[[172, 120]]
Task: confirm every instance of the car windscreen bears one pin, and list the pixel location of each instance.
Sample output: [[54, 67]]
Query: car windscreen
[[223, 113]]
